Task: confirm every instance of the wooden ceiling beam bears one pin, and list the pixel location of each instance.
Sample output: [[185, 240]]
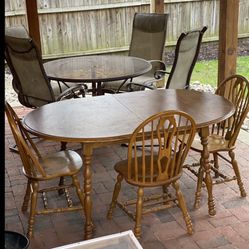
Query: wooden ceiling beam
[[33, 21], [228, 38]]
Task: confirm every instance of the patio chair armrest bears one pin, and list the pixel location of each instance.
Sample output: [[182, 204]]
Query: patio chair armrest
[[160, 63], [160, 74], [73, 92]]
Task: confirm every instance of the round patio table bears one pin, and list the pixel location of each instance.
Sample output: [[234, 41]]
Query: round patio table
[[96, 69]]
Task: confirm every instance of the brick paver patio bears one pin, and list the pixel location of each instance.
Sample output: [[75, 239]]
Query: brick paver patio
[[165, 229]]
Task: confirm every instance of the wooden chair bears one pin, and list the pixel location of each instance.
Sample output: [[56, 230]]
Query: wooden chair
[[159, 166], [147, 42], [186, 54], [38, 168], [223, 135]]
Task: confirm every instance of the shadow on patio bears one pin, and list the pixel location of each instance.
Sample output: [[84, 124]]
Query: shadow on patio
[[164, 229]]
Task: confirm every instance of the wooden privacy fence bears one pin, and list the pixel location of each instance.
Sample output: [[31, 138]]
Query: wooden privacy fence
[[77, 27]]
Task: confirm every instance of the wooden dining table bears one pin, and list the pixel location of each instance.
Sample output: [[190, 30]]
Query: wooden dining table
[[96, 69], [110, 119]]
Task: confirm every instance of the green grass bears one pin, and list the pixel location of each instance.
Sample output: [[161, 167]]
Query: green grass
[[206, 72]]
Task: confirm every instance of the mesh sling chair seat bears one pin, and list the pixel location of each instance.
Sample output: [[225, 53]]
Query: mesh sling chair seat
[[186, 54], [223, 136], [39, 169], [29, 78], [147, 42], [158, 167]]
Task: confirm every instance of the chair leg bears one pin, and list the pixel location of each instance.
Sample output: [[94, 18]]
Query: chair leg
[[14, 148], [199, 186], [61, 182], [34, 194], [216, 164], [237, 173], [26, 197], [165, 191], [83, 91], [63, 145], [139, 208], [78, 190], [183, 208], [115, 196]]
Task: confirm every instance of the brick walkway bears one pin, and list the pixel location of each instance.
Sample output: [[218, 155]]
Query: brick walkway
[[165, 229]]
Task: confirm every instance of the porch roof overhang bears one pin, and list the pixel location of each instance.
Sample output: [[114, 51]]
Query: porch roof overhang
[[228, 31]]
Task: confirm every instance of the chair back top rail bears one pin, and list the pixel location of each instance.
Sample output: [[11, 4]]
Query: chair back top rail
[[236, 89], [161, 164]]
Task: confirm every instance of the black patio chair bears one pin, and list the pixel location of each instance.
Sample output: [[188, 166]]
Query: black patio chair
[[30, 81], [186, 54]]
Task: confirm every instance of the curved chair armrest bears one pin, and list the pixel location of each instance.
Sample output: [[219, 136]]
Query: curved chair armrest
[[73, 92], [160, 73], [157, 65]]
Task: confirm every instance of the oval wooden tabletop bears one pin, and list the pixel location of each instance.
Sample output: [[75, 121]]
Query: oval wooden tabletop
[[96, 68], [114, 117]]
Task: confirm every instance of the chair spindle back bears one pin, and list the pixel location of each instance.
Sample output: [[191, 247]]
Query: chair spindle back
[[236, 89], [28, 152], [164, 129]]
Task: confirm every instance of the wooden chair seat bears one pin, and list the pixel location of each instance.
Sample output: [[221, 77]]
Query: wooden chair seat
[[121, 168], [215, 143], [62, 163]]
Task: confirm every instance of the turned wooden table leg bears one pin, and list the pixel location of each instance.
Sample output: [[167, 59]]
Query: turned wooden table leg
[[204, 132], [94, 89], [87, 155]]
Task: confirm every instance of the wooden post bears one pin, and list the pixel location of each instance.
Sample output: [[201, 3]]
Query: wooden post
[[156, 6], [33, 21], [228, 38]]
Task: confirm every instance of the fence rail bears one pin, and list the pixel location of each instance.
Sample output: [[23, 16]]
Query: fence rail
[[104, 26]]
